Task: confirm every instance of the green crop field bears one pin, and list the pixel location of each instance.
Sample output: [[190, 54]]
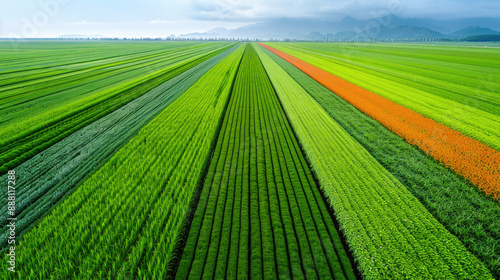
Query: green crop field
[[236, 160]]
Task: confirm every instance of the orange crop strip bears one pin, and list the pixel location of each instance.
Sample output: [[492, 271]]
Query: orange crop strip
[[466, 156]]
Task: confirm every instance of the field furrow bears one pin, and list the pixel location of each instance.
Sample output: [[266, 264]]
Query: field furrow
[[260, 214]]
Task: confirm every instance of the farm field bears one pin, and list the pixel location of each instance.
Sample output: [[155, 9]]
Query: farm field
[[391, 233], [272, 160], [260, 213]]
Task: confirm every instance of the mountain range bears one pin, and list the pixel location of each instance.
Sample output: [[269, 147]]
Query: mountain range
[[386, 27]]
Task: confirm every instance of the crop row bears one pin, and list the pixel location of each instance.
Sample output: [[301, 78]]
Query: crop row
[[390, 233], [53, 173], [468, 213], [48, 128], [122, 222], [466, 156], [260, 214], [467, 115]]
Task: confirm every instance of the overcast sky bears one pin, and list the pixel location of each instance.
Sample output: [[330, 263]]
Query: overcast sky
[[160, 18]]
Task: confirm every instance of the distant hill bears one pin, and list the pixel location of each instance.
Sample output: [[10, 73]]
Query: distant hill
[[449, 26], [221, 31], [343, 35], [483, 38], [212, 33], [385, 27], [471, 31], [279, 28], [314, 36], [198, 35], [408, 32]]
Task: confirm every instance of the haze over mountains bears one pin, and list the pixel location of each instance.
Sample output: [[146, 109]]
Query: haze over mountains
[[387, 27]]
